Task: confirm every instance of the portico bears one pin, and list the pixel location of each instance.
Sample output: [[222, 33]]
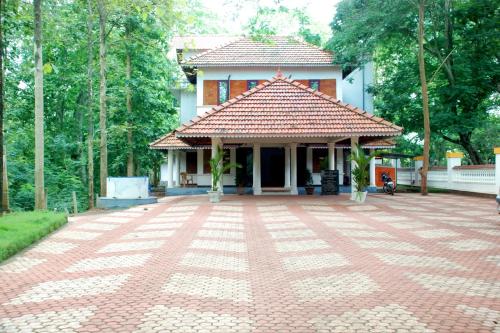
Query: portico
[[286, 127]]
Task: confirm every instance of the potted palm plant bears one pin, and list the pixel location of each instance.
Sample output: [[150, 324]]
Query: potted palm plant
[[217, 169], [360, 173], [309, 182]]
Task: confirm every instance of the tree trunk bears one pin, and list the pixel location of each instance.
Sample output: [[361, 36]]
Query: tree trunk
[[128, 75], [102, 97], [40, 202], [90, 103], [425, 96], [465, 141], [2, 95], [5, 182]]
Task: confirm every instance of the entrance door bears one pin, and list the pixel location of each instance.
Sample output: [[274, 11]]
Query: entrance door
[[272, 167]]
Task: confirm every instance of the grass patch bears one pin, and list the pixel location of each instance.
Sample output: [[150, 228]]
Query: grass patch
[[19, 230]]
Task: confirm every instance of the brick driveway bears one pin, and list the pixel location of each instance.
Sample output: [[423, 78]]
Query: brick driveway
[[264, 264]]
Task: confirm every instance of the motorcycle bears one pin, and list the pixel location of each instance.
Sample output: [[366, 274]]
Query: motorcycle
[[389, 186]]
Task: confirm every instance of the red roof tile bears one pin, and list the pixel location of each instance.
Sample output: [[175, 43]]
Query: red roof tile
[[285, 108], [169, 141], [273, 51]]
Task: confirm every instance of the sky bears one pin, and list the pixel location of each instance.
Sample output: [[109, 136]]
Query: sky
[[236, 13]]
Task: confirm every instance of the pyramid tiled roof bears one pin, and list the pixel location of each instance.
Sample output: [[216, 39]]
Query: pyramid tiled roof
[[282, 107], [271, 51]]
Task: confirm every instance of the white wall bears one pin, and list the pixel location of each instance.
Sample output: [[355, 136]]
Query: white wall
[[188, 105], [354, 88], [264, 73]]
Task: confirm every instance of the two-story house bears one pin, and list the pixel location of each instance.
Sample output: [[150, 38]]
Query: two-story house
[[275, 105]]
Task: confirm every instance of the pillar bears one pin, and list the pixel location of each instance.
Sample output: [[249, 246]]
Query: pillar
[[354, 142], [340, 165], [452, 160], [293, 169], [177, 168], [372, 170], [309, 159], [497, 168], [170, 169], [217, 142], [199, 162], [418, 162], [287, 167], [257, 190], [331, 156]]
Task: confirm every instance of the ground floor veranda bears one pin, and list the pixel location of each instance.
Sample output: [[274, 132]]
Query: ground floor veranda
[[266, 166]]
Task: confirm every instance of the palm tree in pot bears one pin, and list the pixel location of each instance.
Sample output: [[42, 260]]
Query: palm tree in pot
[[217, 168], [309, 182], [360, 173]]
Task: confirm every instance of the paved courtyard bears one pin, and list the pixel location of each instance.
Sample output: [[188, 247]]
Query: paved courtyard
[[264, 264]]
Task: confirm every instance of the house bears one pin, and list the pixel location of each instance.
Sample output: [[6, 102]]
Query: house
[[276, 105]]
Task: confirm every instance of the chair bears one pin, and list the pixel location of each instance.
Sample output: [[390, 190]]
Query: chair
[[186, 180]]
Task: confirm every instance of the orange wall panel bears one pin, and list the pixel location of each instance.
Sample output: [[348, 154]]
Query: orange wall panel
[[378, 174], [328, 87], [210, 92], [237, 87]]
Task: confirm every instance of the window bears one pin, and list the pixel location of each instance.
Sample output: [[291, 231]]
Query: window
[[191, 162], [252, 84], [320, 158], [314, 84], [222, 91]]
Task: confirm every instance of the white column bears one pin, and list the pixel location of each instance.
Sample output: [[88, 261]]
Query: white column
[[354, 142], [293, 169], [287, 167], [257, 190], [177, 168], [199, 162], [309, 159], [331, 156], [170, 169], [372, 170], [497, 168], [452, 160], [340, 165]]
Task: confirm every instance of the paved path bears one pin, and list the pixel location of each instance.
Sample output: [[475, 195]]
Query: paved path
[[264, 264]]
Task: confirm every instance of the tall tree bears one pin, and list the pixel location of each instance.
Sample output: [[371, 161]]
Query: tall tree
[[425, 96], [128, 92], [90, 103], [461, 49], [103, 147], [40, 202], [2, 98]]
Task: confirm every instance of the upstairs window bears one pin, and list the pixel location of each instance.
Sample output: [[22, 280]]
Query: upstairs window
[[252, 84], [222, 91], [314, 84]]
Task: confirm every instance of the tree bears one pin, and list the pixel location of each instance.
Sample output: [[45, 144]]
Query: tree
[[2, 98], [128, 77], [90, 104], [460, 44], [103, 147], [425, 96], [39, 138]]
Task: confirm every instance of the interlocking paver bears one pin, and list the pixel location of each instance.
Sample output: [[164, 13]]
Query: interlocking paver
[[402, 263]]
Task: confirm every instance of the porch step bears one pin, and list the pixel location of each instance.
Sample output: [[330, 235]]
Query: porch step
[[276, 190]]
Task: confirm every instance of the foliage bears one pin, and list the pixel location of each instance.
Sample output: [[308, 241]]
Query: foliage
[[218, 167], [461, 43], [360, 172], [65, 72], [19, 230]]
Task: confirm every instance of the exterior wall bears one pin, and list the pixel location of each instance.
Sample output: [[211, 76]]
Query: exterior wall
[[354, 88], [188, 105], [263, 73]]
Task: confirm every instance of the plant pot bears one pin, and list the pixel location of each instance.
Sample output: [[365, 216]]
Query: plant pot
[[359, 197], [240, 190], [214, 196], [309, 190]]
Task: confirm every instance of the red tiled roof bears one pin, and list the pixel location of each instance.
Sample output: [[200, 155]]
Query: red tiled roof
[[169, 141], [282, 107], [273, 51]]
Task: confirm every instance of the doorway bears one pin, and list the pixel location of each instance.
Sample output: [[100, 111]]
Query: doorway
[[272, 167]]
